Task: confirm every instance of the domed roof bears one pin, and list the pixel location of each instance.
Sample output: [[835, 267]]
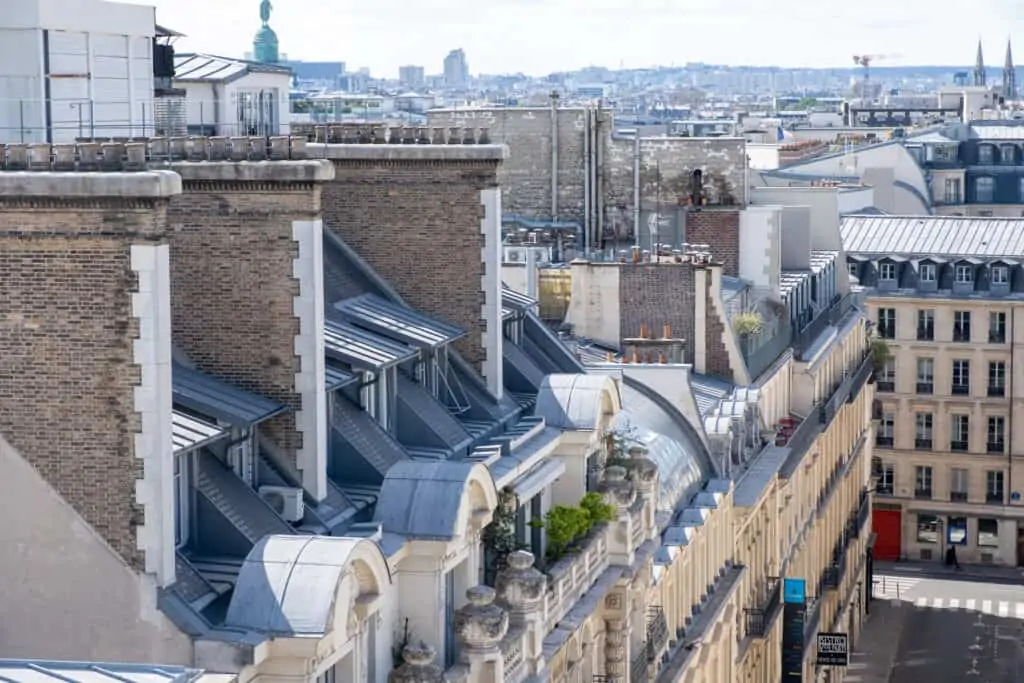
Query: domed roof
[[264, 45]]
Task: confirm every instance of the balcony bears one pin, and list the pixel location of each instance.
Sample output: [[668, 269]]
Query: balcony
[[995, 446], [958, 446], [812, 617], [884, 488], [573, 575], [923, 444], [885, 386], [883, 441], [996, 390], [657, 633], [804, 337], [925, 387], [962, 333], [960, 389], [926, 333], [887, 330], [923, 494], [639, 668], [958, 496], [760, 619], [994, 498], [997, 336]]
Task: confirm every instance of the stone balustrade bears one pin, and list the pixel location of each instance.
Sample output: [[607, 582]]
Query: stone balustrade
[[573, 575], [369, 134]]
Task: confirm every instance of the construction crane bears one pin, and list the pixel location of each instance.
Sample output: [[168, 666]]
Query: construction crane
[[866, 61]]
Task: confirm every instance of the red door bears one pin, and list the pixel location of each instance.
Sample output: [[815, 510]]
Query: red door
[[888, 527]]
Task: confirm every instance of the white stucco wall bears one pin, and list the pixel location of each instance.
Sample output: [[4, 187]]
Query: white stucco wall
[[594, 303], [64, 594], [490, 285], [871, 165]]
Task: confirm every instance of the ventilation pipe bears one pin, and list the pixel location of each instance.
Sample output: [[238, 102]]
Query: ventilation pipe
[[554, 155], [636, 190], [588, 168], [531, 272]]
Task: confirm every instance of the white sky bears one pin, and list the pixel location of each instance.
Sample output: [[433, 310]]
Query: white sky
[[541, 36]]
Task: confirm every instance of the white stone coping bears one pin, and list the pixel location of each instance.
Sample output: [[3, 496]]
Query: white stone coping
[[138, 184], [283, 171]]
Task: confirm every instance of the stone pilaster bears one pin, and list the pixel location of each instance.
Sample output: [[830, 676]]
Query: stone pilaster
[[619, 492], [645, 479], [520, 588], [480, 626], [616, 655]]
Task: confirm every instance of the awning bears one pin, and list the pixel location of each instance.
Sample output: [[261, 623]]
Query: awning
[[517, 301], [508, 313], [336, 378], [189, 433], [538, 479], [362, 349], [397, 322], [206, 395]]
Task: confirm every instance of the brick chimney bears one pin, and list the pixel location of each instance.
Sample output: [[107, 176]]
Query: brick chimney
[[425, 213], [85, 385], [247, 290]]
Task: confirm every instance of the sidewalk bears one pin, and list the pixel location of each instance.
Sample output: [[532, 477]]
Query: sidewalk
[[875, 651], [937, 570]]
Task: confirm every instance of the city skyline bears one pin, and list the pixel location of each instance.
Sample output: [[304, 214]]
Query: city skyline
[[643, 35]]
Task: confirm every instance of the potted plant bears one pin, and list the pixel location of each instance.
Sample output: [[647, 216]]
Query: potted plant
[[748, 324]]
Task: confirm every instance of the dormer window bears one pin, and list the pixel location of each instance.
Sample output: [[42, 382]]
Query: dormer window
[[887, 271], [853, 268], [986, 154], [964, 274], [926, 272], [999, 275], [1008, 155]]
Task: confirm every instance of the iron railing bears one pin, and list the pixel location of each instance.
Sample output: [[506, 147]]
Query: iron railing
[[657, 632], [760, 619], [639, 668]]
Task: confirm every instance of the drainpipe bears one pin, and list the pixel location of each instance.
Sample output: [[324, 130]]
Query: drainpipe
[[636, 189], [596, 149], [588, 168], [531, 273], [554, 155], [1009, 416]]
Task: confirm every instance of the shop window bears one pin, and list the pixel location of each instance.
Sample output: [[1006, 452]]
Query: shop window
[[927, 529], [956, 530], [988, 533]]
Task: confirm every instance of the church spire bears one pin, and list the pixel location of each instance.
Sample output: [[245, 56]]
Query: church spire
[[1009, 74], [979, 67]]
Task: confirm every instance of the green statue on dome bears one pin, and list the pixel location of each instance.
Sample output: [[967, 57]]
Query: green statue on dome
[[264, 46]]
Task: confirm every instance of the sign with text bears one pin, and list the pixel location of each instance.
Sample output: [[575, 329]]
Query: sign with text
[[833, 649], [794, 591]]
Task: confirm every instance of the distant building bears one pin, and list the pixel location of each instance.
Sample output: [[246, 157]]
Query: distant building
[[456, 70], [316, 74], [233, 96], [411, 76]]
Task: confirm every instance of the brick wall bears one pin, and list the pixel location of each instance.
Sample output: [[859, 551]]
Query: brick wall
[[719, 228], [656, 295], [68, 370], [525, 175], [416, 221], [232, 283]]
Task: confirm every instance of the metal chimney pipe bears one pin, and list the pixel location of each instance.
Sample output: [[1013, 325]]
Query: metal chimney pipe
[[531, 273]]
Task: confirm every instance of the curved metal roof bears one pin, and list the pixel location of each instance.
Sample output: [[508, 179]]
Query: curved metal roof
[[684, 464], [288, 585], [572, 401], [422, 499]]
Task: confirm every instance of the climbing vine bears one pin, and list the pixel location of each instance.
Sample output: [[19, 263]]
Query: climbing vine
[[499, 536]]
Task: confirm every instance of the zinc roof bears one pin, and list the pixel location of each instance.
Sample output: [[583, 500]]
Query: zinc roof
[[950, 236]]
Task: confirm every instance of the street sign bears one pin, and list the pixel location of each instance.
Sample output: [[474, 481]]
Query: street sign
[[833, 649]]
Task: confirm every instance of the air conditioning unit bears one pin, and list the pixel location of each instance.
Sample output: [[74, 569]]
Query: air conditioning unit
[[286, 501]]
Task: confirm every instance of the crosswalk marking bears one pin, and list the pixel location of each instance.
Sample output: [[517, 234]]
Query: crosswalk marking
[[1004, 609], [954, 603], [970, 604], [922, 602], [937, 603], [1018, 610], [986, 606]]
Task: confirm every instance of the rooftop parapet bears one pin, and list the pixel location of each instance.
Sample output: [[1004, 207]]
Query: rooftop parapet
[[142, 154], [371, 134]]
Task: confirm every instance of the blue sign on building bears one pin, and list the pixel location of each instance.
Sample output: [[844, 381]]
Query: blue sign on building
[[794, 591]]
